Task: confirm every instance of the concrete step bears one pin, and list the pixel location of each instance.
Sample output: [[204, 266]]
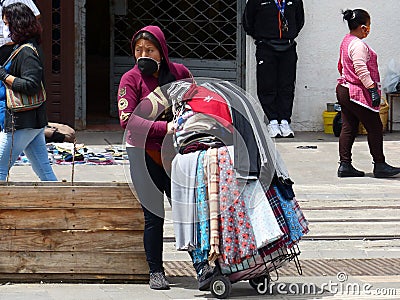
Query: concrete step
[[328, 249], [350, 221]]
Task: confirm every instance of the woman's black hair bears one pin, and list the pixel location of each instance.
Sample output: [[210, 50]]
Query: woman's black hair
[[22, 23], [164, 74], [355, 17]]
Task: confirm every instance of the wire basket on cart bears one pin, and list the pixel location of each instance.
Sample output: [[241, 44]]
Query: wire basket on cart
[[258, 270]]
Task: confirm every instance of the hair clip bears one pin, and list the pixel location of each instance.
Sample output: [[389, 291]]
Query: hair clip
[[353, 16]]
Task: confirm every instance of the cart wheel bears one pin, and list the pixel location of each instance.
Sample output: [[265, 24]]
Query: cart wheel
[[260, 284], [220, 287]]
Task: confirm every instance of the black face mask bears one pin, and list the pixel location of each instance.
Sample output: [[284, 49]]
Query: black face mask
[[148, 66]]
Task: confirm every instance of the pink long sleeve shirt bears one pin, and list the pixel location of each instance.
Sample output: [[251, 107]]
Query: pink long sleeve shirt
[[358, 67]]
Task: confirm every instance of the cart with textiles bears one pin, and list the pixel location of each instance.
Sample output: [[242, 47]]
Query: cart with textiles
[[233, 203], [258, 270]]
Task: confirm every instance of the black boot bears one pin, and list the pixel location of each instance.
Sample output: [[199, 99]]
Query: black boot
[[383, 170], [346, 169]]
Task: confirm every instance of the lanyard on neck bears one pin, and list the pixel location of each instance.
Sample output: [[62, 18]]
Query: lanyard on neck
[[280, 4]]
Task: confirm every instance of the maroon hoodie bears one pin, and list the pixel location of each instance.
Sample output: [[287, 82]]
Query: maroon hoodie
[[133, 107]]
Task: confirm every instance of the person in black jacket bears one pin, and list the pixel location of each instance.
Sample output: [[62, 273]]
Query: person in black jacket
[[24, 131], [274, 25]]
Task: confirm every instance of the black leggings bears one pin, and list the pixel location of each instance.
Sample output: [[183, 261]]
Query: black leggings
[[150, 182]]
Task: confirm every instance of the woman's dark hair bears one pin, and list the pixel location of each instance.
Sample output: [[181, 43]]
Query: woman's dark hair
[[22, 23], [164, 74], [355, 17]]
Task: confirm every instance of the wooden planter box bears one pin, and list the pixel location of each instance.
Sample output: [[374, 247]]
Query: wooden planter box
[[58, 232]]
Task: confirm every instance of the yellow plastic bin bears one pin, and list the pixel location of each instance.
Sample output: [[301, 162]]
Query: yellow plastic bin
[[328, 117]]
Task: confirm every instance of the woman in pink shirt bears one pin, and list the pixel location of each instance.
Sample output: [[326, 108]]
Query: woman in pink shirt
[[359, 96]]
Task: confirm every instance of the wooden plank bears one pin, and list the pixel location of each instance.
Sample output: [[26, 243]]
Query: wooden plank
[[73, 278], [94, 184], [71, 240], [100, 263], [67, 197], [63, 232], [72, 219]]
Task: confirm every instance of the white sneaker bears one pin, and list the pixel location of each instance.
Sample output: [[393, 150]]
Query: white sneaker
[[285, 129], [273, 129]]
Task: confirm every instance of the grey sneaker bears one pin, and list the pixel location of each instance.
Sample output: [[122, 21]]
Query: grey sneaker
[[285, 129], [158, 281], [274, 129]]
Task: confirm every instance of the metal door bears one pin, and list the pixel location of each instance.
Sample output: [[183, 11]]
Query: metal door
[[204, 35]]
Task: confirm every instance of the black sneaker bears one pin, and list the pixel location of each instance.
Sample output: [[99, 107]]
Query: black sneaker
[[205, 276], [158, 281]]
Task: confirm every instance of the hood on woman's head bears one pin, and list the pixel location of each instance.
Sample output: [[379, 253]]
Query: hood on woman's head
[[158, 35]]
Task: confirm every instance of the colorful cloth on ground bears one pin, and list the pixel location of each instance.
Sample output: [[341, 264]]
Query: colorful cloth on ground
[[236, 233], [200, 253], [295, 229]]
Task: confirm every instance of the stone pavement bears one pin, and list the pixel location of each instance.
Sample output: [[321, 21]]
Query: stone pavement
[[355, 225]]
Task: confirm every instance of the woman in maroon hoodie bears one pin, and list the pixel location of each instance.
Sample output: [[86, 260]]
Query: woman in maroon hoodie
[[146, 128]]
